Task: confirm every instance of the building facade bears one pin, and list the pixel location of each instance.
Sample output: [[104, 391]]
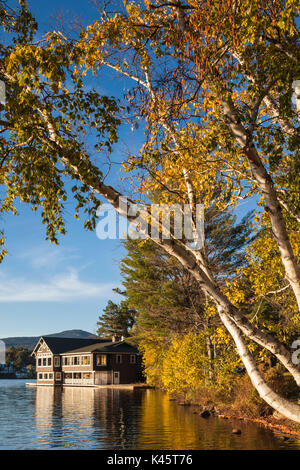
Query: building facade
[[86, 362]]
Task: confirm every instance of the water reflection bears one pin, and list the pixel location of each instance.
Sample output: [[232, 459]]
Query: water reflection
[[87, 418], [120, 419], [178, 428]]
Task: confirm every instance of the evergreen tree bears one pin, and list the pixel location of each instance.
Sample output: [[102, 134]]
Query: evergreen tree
[[166, 296], [117, 319], [169, 302]]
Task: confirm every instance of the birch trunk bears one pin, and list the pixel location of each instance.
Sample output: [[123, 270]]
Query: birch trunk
[[263, 339], [233, 320], [210, 355], [272, 204], [287, 408], [259, 172]]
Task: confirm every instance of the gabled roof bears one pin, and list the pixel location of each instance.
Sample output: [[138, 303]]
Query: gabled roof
[[61, 345], [105, 347], [81, 345]]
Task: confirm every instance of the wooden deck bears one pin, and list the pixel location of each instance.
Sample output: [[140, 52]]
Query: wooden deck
[[113, 386]]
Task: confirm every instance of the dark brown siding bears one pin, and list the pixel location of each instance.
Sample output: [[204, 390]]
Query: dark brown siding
[[129, 373]]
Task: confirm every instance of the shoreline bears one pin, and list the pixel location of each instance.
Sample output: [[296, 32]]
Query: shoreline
[[270, 423], [282, 425]]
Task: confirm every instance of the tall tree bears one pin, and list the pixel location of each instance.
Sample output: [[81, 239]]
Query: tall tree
[[166, 295], [117, 319], [213, 83]]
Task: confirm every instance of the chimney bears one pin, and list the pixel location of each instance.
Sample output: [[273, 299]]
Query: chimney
[[115, 338]]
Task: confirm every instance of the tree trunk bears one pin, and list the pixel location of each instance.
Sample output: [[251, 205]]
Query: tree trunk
[[272, 204], [259, 172], [233, 320], [210, 355], [263, 339], [286, 408]]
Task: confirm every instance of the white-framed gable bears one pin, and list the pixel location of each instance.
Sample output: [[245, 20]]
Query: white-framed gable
[[42, 349]]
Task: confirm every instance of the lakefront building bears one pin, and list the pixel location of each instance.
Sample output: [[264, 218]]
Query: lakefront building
[[88, 362]]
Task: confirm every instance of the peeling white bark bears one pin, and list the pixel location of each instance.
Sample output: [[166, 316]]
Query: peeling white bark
[[232, 319], [272, 204], [287, 408]]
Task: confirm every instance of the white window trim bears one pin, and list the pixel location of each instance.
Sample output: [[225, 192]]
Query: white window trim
[[43, 375], [56, 361], [119, 359], [89, 360], [70, 359], [42, 358]]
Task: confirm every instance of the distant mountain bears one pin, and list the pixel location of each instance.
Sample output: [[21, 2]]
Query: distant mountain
[[29, 342]]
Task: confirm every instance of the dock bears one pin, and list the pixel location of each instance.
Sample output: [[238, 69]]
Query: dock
[[112, 386]]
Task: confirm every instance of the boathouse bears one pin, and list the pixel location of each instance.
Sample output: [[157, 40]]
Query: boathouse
[[86, 362]]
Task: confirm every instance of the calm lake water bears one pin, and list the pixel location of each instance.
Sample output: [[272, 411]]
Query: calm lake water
[[86, 418]]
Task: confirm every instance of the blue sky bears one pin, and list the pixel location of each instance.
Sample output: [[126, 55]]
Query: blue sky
[[46, 288]]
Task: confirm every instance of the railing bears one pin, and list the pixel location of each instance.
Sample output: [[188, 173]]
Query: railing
[[79, 381]]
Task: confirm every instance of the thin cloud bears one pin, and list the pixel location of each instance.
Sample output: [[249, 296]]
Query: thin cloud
[[65, 287], [50, 257]]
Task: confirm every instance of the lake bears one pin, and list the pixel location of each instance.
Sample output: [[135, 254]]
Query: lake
[[88, 418]]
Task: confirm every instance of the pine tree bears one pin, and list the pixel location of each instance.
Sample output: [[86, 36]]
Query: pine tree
[[117, 319], [166, 296]]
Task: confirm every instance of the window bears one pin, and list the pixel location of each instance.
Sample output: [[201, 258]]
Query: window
[[44, 361], [77, 375], [87, 375], [46, 376], [75, 360], [56, 361], [85, 360], [132, 359], [101, 360], [57, 375], [66, 361], [119, 359]]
